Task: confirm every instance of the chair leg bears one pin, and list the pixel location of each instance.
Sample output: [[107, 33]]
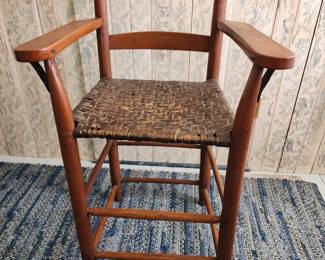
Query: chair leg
[[233, 187], [72, 165], [205, 177], [114, 165], [238, 151], [71, 160]]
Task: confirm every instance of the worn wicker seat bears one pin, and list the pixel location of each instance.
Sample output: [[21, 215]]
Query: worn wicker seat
[[164, 111], [159, 113]]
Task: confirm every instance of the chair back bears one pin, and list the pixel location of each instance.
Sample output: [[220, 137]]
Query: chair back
[[163, 40]]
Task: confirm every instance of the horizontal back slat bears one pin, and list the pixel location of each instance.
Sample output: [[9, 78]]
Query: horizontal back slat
[[160, 41]]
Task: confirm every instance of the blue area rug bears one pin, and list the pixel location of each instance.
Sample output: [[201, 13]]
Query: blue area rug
[[278, 219]]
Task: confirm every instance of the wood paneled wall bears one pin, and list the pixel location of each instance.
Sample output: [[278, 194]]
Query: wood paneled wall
[[289, 134]]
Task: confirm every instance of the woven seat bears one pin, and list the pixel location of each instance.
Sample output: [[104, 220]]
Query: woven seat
[[164, 111]]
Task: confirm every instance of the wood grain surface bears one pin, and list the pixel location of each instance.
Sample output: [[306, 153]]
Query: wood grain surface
[[309, 98], [300, 42]]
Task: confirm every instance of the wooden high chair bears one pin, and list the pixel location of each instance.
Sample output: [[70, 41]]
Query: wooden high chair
[[135, 112]]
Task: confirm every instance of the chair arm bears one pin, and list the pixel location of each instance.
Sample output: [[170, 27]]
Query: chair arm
[[51, 43], [259, 48]]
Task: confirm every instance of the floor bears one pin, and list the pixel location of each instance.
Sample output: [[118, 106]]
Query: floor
[[318, 179]]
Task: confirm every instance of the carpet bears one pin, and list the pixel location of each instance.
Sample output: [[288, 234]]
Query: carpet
[[278, 219]]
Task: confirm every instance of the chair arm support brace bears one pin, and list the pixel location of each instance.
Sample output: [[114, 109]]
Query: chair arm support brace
[[260, 49], [266, 78], [41, 73], [50, 44]]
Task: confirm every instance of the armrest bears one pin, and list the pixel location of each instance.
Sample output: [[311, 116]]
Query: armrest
[[50, 44], [259, 48]]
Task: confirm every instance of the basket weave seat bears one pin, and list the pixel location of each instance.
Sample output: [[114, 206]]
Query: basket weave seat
[[164, 111]]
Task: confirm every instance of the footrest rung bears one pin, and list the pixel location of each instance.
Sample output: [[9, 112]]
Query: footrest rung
[[154, 215], [161, 180], [149, 256]]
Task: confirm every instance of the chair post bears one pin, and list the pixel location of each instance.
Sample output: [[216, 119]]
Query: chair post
[[219, 12], [241, 135], [205, 177], [114, 167], [103, 40], [71, 159], [106, 72]]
